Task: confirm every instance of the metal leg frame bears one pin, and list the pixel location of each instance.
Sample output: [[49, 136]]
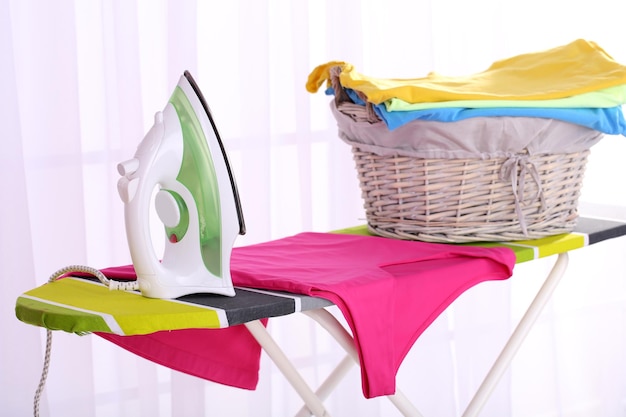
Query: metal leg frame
[[329, 384], [518, 336], [332, 326], [313, 400]]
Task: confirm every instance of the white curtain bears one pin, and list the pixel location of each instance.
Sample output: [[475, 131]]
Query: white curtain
[[80, 82]]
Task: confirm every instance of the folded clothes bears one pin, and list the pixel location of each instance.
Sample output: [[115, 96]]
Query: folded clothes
[[389, 291], [576, 68], [606, 120], [607, 97]]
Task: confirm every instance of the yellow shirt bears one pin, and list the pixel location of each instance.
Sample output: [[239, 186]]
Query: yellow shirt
[[575, 68]]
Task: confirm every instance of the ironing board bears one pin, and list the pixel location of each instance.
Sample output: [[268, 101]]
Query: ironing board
[[79, 309]]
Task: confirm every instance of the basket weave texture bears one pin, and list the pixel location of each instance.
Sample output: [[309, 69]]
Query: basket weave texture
[[456, 200], [467, 200]]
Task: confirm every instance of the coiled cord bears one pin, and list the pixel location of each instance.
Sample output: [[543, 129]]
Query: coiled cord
[[111, 284]]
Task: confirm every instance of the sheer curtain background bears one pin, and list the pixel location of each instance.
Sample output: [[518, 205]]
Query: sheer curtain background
[[80, 82]]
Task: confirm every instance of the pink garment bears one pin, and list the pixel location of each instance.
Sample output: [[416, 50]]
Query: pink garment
[[229, 356], [197, 352], [389, 291]]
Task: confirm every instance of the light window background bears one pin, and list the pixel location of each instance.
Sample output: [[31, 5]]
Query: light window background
[[81, 82]]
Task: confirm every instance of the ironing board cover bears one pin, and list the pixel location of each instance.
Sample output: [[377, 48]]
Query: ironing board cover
[[183, 334]]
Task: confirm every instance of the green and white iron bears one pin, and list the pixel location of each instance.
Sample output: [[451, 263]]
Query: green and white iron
[[182, 168]]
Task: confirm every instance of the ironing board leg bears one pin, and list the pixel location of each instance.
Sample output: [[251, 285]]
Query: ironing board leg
[[330, 383], [517, 337], [268, 344], [332, 326]]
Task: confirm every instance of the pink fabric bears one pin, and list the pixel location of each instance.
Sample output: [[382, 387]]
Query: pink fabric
[[229, 356], [389, 291], [197, 352]]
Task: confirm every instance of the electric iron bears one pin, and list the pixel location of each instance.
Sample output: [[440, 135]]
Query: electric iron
[[182, 168]]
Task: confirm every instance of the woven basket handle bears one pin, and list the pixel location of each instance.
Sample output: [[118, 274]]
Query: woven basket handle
[[342, 99]]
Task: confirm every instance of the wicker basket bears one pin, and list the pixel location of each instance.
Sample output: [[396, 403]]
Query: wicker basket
[[466, 200]]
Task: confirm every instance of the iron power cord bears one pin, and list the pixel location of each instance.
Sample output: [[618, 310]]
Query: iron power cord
[[112, 284]]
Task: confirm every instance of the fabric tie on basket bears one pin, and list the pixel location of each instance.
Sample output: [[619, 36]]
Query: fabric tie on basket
[[514, 169]]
